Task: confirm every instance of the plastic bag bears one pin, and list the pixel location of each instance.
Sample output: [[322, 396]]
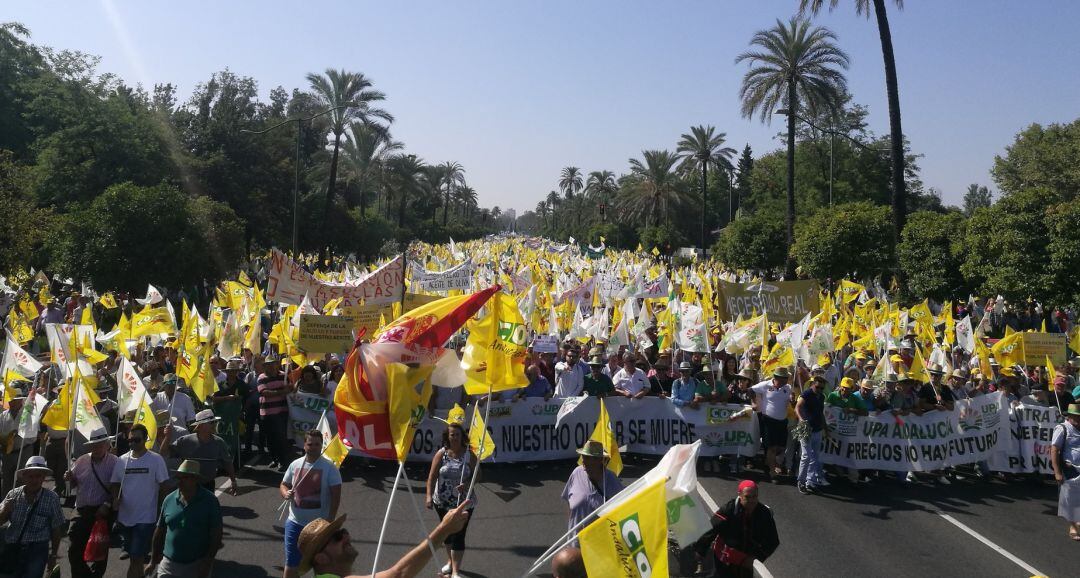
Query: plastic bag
[[97, 547]]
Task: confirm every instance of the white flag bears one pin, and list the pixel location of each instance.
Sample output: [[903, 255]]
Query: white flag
[[965, 336], [30, 418], [86, 416], [152, 296], [130, 392], [18, 360]]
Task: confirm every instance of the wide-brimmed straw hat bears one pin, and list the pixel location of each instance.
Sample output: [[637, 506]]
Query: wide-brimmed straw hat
[[1074, 409], [189, 468], [204, 416], [593, 449], [935, 369], [99, 435], [747, 374], [35, 464], [313, 539], [781, 373]]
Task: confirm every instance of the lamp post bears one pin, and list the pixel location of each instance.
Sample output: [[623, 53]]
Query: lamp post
[[296, 167]]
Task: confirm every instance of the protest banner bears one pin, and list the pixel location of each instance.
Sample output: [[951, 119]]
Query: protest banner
[[1031, 429], [1039, 346], [527, 430], [783, 301], [458, 277], [305, 411], [288, 283], [325, 333], [973, 431]]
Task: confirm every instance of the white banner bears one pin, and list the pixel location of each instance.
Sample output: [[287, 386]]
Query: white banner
[[289, 282], [974, 430], [459, 277], [305, 411], [527, 431], [1031, 428]]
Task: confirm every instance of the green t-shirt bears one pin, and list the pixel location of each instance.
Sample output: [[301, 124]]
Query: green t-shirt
[[704, 388], [598, 385], [188, 528], [851, 402]]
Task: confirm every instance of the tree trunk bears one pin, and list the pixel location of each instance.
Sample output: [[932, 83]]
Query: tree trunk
[[899, 194], [704, 203], [789, 267], [446, 205], [332, 182]]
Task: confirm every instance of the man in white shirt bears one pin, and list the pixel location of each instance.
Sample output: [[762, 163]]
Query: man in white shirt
[[570, 374], [136, 485], [772, 399], [176, 402], [630, 381]]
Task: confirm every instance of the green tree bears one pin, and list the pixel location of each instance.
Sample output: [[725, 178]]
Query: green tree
[[1063, 252], [664, 237], [703, 147], [353, 98], [754, 241], [570, 182], [1042, 157], [976, 197], [365, 150], [602, 188], [930, 252], [795, 64], [742, 180], [896, 133], [655, 190], [404, 178], [25, 226], [848, 240], [453, 176]]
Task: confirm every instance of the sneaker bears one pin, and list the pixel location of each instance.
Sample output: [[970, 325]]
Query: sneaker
[[805, 489], [910, 478], [944, 480], [445, 569], [822, 483]]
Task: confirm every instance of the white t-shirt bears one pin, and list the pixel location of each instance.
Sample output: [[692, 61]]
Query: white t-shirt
[[182, 408], [571, 380], [773, 402], [311, 485], [140, 479], [631, 382]]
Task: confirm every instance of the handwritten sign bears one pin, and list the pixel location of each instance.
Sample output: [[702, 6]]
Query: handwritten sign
[[289, 282], [325, 333]]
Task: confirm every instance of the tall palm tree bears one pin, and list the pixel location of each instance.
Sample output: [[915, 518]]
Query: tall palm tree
[[570, 181], [404, 178], [658, 188], [703, 146], [365, 149], [553, 201], [431, 185], [794, 64], [601, 187], [896, 133], [466, 196], [453, 177], [340, 88]]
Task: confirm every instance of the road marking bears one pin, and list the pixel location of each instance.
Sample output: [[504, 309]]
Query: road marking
[[1028, 567], [250, 462]]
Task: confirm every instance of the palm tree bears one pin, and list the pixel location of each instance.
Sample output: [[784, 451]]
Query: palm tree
[[896, 133], [404, 176], [453, 177], [434, 176], [365, 150], [570, 181], [601, 187], [466, 196], [553, 201], [657, 190], [702, 147], [794, 64], [351, 91]]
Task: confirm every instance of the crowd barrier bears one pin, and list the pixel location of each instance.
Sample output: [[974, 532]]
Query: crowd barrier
[[983, 429]]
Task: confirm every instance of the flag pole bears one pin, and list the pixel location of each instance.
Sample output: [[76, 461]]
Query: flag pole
[[419, 515], [483, 437], [386, 518]]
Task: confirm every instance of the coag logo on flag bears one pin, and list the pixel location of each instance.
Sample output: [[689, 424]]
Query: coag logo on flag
[[632, 547], [512, 333]]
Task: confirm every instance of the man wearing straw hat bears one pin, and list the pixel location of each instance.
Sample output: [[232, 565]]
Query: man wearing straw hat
[[590, 484], [136, 484], [12, 445], [189, 528], [204, 447], [312, 489], [36, 523], [177, 402], [326, 549], [90, 473]]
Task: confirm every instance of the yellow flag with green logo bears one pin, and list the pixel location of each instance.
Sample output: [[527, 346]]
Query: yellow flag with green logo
[[1009, 350], [145, 416], [494, 355], [408, 392], [630, 539]]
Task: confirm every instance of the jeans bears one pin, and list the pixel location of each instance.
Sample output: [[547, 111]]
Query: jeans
[[277, 433], [810, 464], [26, 560]]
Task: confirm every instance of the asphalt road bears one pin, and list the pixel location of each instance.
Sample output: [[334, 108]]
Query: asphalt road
[[878, 529]]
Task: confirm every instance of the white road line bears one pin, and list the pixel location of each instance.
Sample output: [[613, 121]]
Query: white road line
[[251, 461], [1027, 567], [759, 568]]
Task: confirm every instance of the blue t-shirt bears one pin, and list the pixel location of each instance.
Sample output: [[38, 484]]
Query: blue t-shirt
[[813, 409], [311, 485]]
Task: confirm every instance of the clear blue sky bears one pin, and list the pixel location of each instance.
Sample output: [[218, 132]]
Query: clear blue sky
[[515, 90]]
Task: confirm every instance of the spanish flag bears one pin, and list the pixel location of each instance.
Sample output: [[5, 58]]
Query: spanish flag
[[433, 324]]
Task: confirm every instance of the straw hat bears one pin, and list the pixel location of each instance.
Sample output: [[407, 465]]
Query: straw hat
[[189, 468], [597, 361], [935, 369], [959, 374], [781, 373], [1074, 409], [313, 539], [891, 377], [685, 366], [593, 449], [204, 416], [747, 374], [35, 464], [234, 364], [99, 435]]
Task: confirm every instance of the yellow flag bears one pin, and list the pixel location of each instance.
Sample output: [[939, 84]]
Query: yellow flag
[[1050, 372], [1074, 339], [19, 328], [780, 356], [108, 301], [850, 290], [918, 369], [244, 279], [630, 540], [58, 416], [150, 321], [408, 392], [984, 359], [145, 416], [655, 252], [494, 355], [336, 451], [480, 441], [605, 435], [1009, 351], [204, 382], [28, 309]]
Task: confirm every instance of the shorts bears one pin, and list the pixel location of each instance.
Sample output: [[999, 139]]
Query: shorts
[[774, 432], [456, 542], [292, 547], [137, 539]]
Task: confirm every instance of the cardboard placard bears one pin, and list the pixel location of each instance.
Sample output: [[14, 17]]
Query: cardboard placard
[[325, 333], [1037, 346]]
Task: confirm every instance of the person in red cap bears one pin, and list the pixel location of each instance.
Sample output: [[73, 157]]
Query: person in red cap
[[743, 530], [1059, 394]]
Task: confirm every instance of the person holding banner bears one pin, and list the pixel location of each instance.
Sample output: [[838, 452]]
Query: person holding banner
[[590, 484], [1065, 459], [450, 466], [743, 530]]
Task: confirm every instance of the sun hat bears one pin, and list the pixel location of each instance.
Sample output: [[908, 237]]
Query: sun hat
[[99, 435], [234, 364], [685, 366], [959, 374], [204, 416], [1074, 409], [781, 373], [816, 368], [597, 361], [169, 378], [866, 383], [35, 464], [891, 377], [747, 374], [819, 379], [313, 539], [189, 468], [593, 449]]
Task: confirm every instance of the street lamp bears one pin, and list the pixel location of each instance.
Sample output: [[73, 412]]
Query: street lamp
[[832, 143], [296, 168]]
